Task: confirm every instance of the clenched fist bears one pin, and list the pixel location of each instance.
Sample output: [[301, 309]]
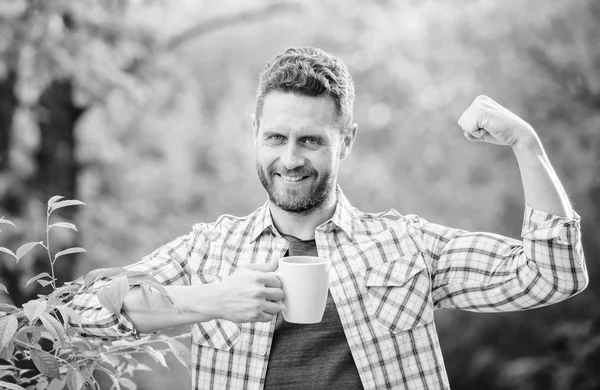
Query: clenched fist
[[487, 121]]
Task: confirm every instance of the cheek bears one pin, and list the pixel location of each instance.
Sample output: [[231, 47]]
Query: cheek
[[325, 161], [265, 159]]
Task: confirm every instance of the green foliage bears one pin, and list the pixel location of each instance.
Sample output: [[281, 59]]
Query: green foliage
[[43, 330]]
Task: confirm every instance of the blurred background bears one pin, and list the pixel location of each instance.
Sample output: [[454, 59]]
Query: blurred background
[[141, 109]]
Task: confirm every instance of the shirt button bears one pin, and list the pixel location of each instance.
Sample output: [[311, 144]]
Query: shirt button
[[263, 353]]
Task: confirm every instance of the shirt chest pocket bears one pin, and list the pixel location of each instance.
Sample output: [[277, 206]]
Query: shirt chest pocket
[[218, 334], [399, 292]]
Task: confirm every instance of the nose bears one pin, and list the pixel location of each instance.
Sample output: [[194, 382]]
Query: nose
[[292, 158]]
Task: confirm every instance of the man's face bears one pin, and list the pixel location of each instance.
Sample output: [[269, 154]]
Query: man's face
[[298, 148]]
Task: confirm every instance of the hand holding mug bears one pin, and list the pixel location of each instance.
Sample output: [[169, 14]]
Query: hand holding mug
[[251, 294]]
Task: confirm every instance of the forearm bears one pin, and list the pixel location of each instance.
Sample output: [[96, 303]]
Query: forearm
[[543, 190], [191, 304]]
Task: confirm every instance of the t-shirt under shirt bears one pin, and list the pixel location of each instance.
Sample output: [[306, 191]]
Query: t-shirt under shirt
[[311, 356]]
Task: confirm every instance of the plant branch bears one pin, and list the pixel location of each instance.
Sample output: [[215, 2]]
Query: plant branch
[[48, 248], [229, 20]]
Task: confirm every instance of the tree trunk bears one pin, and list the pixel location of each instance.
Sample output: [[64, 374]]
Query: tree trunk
[[11, 194], [56, 160], [55, 174]]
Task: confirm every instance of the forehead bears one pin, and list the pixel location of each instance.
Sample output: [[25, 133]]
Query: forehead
[[291, 110]]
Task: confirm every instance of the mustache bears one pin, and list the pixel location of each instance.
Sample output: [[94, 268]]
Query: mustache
[[302, 171]]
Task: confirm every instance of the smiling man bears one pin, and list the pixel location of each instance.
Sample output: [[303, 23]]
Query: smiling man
[[389, 271], [298, 151]]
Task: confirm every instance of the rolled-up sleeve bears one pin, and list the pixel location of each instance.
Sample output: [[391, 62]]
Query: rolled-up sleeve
[[487, 272], [168, 265]]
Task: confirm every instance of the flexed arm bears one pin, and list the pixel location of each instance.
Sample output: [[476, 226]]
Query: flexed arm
[[487, 121], [487, 272]]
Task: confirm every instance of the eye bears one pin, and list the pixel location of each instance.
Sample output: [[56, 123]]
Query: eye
[[312, 142], [276, 138]]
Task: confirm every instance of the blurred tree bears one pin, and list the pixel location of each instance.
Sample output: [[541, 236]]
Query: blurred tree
[[57, 60], [52, 74]]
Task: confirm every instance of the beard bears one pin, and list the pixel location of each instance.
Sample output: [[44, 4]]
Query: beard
[[298, 200]]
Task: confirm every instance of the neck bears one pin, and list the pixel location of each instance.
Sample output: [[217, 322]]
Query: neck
[[302, 225]]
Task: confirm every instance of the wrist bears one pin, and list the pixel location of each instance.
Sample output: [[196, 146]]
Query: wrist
[[528, 145], [205, 303]]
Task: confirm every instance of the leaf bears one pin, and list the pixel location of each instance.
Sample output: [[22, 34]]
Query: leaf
[[23, 249], [119, 289], [153, 283], [8, 328], [68, 252], [146, 294], [157, 356], [113, 360], [38, 276], [6, 250], [69, 315], [143, 367], [7, 307], [128, 383], [114, 378], [8, 352], [6, 372], [74, 379], [57, 384], [44, 283], [3, 288], [10, 386], [54, 327], [65, 203], [91, 276], [65, 225], [181, 352], [112, 297], [64, 290], [7, 222], [33, 309], [34, 334], [106, 300], [54, 199], [46, 363], [94, 275]]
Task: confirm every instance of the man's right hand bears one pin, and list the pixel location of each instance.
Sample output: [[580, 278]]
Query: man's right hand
[[251, 294]]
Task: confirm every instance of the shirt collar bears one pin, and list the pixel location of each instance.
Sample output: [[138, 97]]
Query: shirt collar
[[262, 222], [344, 217]]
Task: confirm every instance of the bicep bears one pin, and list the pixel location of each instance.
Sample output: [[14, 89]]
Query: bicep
[[476, 270]]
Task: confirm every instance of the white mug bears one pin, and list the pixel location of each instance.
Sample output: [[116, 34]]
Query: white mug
[[305, 282]]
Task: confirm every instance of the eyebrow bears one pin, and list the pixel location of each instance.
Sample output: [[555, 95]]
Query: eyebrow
[[302, 133], [270, 132]]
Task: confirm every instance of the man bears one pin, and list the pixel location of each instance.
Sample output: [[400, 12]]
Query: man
[[389, 271]]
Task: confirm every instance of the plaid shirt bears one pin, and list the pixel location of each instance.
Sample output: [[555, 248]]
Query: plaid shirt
[[389, 273]]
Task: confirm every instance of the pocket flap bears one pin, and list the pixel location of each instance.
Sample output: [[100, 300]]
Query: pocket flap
[[219, 334], [395, 273]]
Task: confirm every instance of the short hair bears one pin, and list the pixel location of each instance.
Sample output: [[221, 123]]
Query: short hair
[[311, 72]]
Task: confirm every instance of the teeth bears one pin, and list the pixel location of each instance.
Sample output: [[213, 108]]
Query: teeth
[[292, 178]]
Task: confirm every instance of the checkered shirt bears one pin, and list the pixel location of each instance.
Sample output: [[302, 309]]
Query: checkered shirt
[[389, 273]]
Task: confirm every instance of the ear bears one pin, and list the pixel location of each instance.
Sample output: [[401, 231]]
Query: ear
[[255, 129], [348, 141]]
